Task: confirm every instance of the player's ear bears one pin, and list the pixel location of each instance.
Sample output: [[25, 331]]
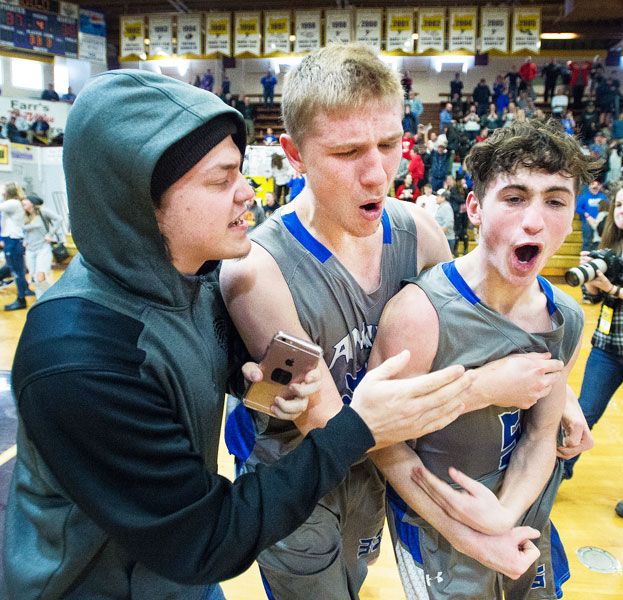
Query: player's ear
[[292, 152], [473, 209]]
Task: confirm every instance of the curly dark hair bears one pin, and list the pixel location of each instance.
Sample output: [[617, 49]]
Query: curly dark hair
[[535, 145]]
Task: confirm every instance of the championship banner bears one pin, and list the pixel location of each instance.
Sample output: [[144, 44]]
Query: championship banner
[[337, 26], [369, 27], [188, 35], [526, 29], [307, 30], [132, 32], [494, 30], [462, 30], [92, 36], [276, 33], [431, 30], [399, 30], [160, 35], [247, 35], [218, 33], [69, 9]]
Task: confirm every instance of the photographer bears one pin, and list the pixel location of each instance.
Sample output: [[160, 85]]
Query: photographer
[[604, 367]]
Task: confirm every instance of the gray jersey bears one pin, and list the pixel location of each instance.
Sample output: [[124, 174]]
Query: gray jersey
[[472, 334], [330, 552], [480, 443], [334, 310]]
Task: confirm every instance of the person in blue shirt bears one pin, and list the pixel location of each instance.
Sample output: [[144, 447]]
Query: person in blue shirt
[[69, 97], [50, 93], [296, 185], [445, 117], [207, 81], [502, 101], [588, 205], [269, 81]]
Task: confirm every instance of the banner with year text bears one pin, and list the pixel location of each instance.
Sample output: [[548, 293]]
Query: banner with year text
[[399, 30], [307, 30], [247, 34], [276, 32], [431, 30]]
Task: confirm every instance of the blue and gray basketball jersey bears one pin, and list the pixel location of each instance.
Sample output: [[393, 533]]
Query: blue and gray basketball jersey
[[334, 310], [480, 442]]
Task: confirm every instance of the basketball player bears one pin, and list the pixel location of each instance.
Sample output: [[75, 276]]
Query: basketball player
[[471, 311], [323, 267]]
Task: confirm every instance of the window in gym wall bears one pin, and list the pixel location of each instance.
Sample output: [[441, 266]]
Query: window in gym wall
[[26, 74]]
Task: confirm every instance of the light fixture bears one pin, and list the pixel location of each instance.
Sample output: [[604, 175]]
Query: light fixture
[[147, 41], [292, 38], [559, 36]]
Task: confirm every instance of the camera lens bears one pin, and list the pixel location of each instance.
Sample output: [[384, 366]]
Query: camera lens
[[280, 376]]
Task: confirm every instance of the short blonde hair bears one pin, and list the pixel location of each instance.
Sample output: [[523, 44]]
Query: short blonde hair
[[337, 77]]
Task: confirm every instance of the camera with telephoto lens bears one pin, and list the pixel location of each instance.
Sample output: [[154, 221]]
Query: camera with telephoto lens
[[605, 260]]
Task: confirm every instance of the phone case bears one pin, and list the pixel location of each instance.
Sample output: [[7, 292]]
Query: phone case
[[287, 360]]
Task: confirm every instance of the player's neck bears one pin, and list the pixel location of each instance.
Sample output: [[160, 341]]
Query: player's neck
[[360, 255], [512, 301]]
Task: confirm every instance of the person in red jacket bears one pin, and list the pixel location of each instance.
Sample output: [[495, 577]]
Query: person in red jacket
[[416, 166], [579, 80], [527, 72]]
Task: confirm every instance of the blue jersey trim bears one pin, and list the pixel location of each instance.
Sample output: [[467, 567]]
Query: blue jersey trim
[[269, 592], [239, 433], [387, 230], [318, 249], [308, 241], [456, 279], [560, 564], [408, 534], [546, 288]]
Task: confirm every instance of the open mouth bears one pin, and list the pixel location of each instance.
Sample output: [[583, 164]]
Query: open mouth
[[526, 254], [237, 223]]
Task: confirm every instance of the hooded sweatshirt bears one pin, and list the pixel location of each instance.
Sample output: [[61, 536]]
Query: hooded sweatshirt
[[119, 380]]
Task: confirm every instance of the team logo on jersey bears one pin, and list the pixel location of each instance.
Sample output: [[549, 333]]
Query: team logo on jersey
[[511, 432], [369, 545], [539, 580], [350, 348], [437, 578]]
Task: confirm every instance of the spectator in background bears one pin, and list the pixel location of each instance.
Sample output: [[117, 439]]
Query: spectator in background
[[498, 87], [491, 120], [41, 228], [483, 134], [427, 200], [4, 122], [445, 217], [254, 215], [513, 79], [207, 81], [408, 190], [269, 81], [617, 129], [568, 123], [578, 80], [38, 134], [527, 72], [69, 97], [481, 96], [225, 86], [270, 139], [296, 184], [417, 108], [248, 112], [270, 204], [522, 101], [600, 149], [550, 73], [406, 82], [456, 87], [13, 133], [588, 206], [50, 93], [502, 102], [281, 173], [445, 117], [589, 123], [472, 123], [560, 102], [12, 214], [530, 109], [416, 167], [197, 81], [409, 122], [440, 166]]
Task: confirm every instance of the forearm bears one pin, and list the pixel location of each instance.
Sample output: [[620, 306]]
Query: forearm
[[396, 463], [528, 472]]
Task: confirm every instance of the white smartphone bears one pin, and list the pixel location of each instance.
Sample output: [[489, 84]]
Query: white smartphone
[[287, 360]]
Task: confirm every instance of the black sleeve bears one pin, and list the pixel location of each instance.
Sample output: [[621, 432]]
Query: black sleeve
[[116, 446], [117, 450]]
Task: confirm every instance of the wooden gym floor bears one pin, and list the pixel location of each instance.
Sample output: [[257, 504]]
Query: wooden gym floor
[[584, 511]]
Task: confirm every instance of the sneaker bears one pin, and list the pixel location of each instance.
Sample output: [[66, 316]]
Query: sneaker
[[618, 509], [17, 305], [6, 283]]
